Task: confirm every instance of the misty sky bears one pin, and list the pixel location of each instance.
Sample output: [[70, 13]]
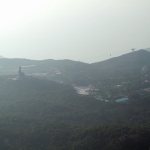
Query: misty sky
[[82, 30]]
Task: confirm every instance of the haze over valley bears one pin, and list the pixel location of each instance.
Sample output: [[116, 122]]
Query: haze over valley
[[74, 75]]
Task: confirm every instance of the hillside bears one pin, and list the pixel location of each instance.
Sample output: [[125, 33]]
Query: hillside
[[10, 66], [37, 114], [73, 72], [131, 60]]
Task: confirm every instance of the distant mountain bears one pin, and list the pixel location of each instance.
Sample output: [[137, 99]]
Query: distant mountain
[[124, 66], [147, 49], [57, 70], [133, 59], [75, 72], [126, 61]]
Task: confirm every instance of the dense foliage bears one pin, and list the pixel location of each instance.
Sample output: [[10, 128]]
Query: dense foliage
[[40, 114]]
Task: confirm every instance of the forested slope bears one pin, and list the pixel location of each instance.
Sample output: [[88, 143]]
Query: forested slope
[[40, 114]]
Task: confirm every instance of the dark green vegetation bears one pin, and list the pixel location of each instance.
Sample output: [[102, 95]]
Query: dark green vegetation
[[39, 114]]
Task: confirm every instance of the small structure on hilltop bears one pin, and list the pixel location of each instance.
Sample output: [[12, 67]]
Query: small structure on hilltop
[[20, 73]]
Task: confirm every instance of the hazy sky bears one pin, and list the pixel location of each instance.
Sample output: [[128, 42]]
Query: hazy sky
[[82, 30]]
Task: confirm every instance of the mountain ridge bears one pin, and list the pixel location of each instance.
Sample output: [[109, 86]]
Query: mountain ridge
[[136, 55], [73, 72]]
